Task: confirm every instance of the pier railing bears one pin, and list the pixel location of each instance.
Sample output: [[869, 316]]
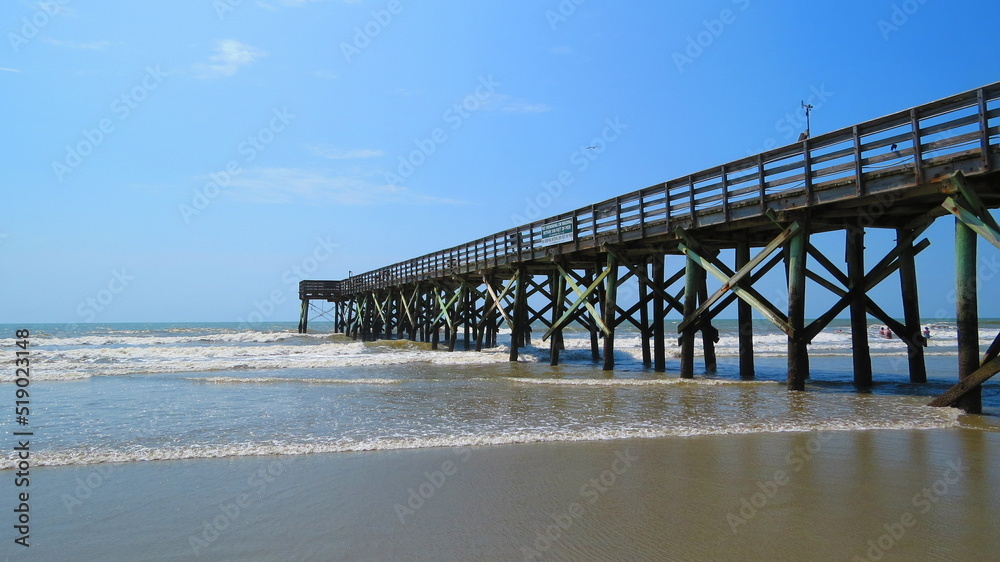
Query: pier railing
[[899, 150]]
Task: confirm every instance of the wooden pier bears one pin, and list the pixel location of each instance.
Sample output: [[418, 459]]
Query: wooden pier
[[900, 172]]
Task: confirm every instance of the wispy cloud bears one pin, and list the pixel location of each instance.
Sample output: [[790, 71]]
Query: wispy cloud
[[92, 46], [325, 74], [334, 153], [318, 187], [230, 55], [9, 69]]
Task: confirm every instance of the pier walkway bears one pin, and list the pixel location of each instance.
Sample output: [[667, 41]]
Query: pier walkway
[[901, 171]]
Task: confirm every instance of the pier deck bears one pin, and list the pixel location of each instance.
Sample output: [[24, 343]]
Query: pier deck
[[901, 171]]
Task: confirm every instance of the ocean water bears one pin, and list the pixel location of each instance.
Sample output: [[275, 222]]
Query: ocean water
[[147, 392], [216, 442]]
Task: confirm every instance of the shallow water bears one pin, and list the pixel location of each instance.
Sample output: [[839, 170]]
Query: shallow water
[[344, 431]]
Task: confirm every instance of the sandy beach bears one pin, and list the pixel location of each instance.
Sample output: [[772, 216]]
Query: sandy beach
[[865, 495]]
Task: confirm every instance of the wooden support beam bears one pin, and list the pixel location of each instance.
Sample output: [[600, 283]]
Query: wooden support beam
[[732, 280], [745, 318], [911, 307], [967, 314], [432, 321], [644, 278], [445, 308], [973, 221], [645, 329], [709, 334], [659, 316], [861, 351], [690, 303], [498, 299], [459, 309], [731, 297], [520, 296], [304, 317], [582, 299], [969, 384], [749, 295], [609, 309], [974, 203], [879, 273], [798, 358], [558, 303], [595, 319]]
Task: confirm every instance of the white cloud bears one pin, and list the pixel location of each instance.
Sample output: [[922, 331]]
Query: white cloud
[[92, 46], [293, 185], [230, 55], [9, 69], [325, 74], [334, 153]]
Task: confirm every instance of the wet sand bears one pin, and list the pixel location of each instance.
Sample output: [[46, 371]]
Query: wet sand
[[849, 495]]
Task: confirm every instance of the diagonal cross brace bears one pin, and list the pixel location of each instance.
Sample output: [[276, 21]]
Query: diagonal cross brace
[[887, 266], [732, 282], [976, 378], [728, 300], [973, 221], [446, 308], [641, 275], [582, 298], [497, 300], [975, 204]]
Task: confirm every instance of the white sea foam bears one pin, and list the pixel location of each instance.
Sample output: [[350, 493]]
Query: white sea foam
[[933, 418], [639, 382], [68, 364], [143, 340], [269, 380]]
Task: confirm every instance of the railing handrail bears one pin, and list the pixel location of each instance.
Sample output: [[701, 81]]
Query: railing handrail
[[749, 179]]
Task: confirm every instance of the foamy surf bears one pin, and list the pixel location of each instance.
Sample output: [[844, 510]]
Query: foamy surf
[[71, 364], [273, 380], [639, 382], [943, 418]]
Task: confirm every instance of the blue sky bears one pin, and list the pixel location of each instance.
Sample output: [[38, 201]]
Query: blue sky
[[190, 161]]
